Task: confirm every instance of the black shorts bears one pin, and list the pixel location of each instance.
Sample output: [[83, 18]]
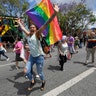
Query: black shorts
[[18, 58], [63, 59]]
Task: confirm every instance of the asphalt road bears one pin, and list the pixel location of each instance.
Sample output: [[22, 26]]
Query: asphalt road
[[76, 79]]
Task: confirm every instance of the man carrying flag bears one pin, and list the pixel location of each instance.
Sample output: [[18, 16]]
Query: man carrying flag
[[36, 52]]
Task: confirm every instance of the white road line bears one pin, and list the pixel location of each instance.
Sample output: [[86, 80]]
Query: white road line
[[69, 83], [6, 64]]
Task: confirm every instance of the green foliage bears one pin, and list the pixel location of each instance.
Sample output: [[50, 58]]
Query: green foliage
[[12, 7], [76, 18]]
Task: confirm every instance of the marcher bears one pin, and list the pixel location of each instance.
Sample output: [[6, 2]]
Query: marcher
[[91, 47], [81, 39], [36, 52], [85, 39], [70, 41], [2, 52], [76, 44], [63, 50], [18, 49]]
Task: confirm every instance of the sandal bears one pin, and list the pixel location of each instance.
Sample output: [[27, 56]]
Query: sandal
[[31, 86], [42, 86]]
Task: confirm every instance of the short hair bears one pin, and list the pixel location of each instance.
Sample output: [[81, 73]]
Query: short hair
[[18, 38]]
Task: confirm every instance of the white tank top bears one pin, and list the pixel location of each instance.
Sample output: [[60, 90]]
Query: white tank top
[[35, 46], [64, 48]]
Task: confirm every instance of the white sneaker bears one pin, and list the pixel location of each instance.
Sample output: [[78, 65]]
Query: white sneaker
[[7, 59], [17, 67], [37, 76], [26, 77]]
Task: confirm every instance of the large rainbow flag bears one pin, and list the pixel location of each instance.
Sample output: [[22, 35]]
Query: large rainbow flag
[[40, 14]]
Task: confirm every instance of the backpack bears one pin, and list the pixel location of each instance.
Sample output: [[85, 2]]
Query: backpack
[[44, 45]]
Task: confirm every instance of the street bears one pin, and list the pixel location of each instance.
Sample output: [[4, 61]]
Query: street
[[77, 79]]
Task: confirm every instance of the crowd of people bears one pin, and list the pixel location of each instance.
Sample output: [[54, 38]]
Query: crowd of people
[[30, 55]]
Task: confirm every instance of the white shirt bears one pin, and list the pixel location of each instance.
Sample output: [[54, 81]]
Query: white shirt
[[64, 48]]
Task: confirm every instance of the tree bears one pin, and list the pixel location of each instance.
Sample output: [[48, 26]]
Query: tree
[[74, 17], [11, 9]]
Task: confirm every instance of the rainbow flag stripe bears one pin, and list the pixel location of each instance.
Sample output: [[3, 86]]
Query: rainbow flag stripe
[[40, 14]]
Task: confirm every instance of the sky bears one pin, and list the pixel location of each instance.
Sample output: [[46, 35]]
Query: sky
[[91, 4]]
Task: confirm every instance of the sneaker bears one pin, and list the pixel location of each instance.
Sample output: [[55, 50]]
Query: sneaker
[[17, 68], [26, 77], [7, 59], [37, 76]]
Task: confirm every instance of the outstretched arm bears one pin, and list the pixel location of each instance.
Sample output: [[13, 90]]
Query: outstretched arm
[[22, 27], [42, 28]]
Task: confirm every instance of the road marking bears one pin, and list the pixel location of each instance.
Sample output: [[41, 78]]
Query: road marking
[[69, 83], [6, 64], [9, 64]]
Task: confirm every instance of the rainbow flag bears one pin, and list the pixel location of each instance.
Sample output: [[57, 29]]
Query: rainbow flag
[[40, 14]]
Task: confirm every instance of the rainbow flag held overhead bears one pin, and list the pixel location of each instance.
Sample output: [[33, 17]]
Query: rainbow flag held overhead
[[40, 14]]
